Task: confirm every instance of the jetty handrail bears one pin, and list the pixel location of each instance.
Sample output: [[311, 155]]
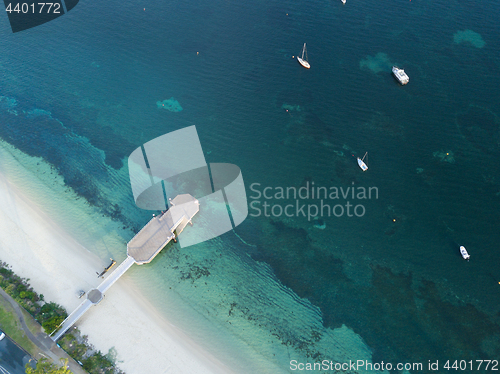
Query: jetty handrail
[[65, 326], [115, 275]]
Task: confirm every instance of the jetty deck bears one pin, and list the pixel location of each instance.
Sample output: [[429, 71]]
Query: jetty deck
[[142, 249], [162, 229]]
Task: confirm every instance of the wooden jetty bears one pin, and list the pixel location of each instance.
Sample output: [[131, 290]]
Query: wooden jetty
[[142, 249]]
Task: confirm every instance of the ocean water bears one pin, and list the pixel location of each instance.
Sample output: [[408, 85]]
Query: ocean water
[[80, 94]]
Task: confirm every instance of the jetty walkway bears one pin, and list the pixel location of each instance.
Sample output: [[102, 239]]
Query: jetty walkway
[[142, 249]]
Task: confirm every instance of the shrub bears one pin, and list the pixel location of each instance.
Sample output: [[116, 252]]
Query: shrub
[[52, 323]]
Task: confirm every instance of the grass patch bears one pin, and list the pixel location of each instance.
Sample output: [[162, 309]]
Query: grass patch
[[49, 315], [12, 327]]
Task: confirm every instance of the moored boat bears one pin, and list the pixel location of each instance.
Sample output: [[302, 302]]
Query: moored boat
[[464, 253], [400, 75], [362, 164], [303, 61]]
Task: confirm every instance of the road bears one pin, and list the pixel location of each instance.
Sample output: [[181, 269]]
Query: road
[[43, 342]]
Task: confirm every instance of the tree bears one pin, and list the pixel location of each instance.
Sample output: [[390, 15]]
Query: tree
[[52, 323], [43, 366]]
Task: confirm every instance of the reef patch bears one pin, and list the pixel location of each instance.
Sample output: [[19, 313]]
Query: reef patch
[[379, 62], [469, 37], [171, 105]]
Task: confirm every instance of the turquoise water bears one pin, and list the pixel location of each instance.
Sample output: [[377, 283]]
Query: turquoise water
[[81, 92]]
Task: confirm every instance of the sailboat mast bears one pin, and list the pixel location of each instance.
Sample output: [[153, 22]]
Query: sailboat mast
[[364, 156], [303, 61]]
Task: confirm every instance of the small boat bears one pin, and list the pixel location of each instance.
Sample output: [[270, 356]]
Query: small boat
[[464, 253], [2, 335], [400, 75], [113, 262], [343, 1], [362, 164], [302, 60]]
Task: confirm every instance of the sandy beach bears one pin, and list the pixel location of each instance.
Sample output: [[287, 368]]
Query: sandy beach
[[57, 265]]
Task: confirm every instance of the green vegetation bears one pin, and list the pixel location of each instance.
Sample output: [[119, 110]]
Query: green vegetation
[[78, 347], [10, 325], [45, 367], [50, 316]]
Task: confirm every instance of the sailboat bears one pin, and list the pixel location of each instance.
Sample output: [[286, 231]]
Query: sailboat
[[303, 61], [362, 164]]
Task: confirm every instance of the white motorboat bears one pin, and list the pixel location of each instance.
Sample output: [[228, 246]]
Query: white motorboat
[[362, 164], [464, 253], [400, 75], [2, 335], [343, 1], [303, 61]]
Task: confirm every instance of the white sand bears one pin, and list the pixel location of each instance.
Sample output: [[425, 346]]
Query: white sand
[[58, 266], [44, 227]]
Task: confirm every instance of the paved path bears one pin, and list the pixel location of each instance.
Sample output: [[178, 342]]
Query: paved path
[[93, 297], [71, 319], [43, 342]]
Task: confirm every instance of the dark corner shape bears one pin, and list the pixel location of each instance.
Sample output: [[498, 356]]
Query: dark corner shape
[[26, 14]]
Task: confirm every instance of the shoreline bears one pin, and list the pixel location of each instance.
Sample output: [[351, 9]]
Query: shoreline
[[124, 316], [200, 326]]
